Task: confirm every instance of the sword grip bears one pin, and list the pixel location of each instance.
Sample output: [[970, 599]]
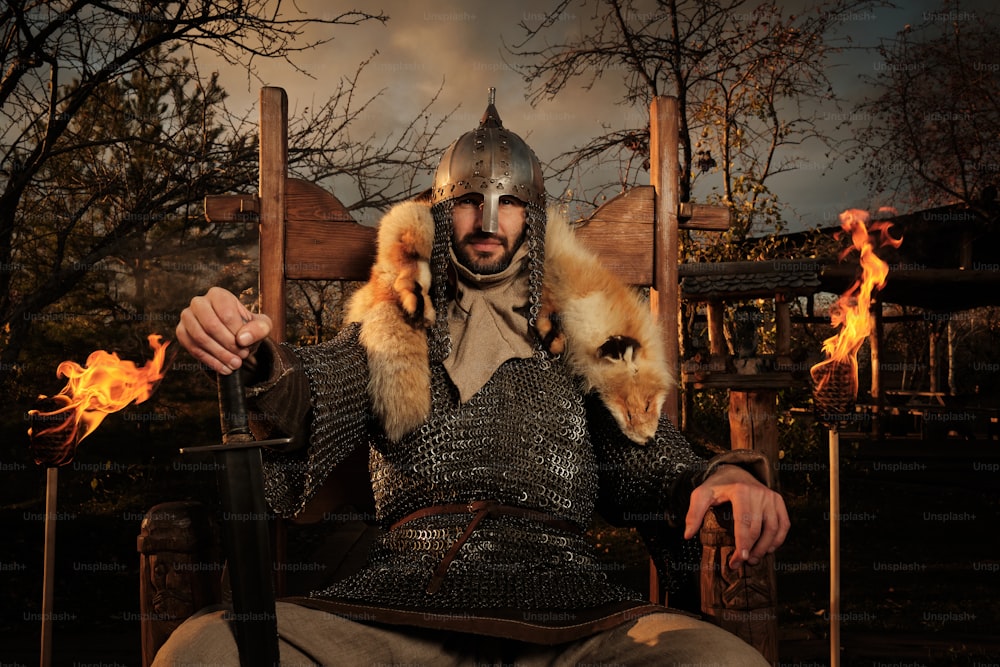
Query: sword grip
[[233, 406]]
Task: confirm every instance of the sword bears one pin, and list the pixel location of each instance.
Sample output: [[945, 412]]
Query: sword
[[246, 530]]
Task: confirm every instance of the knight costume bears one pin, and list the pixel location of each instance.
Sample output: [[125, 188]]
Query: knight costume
[[486, 490], [486, 501]]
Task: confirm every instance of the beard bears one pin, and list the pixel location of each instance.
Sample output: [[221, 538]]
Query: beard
[[486, 264]]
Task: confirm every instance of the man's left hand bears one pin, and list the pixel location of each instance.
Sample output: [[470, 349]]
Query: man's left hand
[[760, 519]]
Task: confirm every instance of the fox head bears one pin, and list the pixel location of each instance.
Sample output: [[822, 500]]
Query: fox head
[[632, 387]]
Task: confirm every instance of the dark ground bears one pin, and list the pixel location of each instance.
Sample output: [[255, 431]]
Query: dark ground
[[920, 571]]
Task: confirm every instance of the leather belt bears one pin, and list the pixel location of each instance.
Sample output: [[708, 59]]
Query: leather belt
[[479, 509]]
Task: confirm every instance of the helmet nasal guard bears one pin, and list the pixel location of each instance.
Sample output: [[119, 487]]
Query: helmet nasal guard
[[492, 161]]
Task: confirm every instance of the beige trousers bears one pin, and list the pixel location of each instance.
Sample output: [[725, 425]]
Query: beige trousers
[[312, 637]]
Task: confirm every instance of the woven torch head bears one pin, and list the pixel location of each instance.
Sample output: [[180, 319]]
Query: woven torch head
[[835, 390]]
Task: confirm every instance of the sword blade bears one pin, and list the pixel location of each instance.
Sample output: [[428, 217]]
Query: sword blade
[[246, 531]]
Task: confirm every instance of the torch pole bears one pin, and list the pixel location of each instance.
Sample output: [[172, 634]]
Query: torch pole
[[49, 562], [834, 547]]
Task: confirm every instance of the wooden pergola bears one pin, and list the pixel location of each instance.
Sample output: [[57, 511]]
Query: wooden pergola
[[939, 272]]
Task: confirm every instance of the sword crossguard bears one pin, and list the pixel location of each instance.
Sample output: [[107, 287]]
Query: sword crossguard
[[235, 421]]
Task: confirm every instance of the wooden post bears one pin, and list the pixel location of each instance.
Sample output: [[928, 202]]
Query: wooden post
[[950, 351], [753, 422], [49, 562], [273, 183], [664, 300], [782, 329], [180, 570], [716, 330], [834, 548], [933, 367], [740, 601], [273, 173], [875, 344], [664, 175]]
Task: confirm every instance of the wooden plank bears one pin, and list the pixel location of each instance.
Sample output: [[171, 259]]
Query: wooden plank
[[634, 205], [231, 208], [273, 173], [322, 241], [625, 247], [743, 382], [331, 250], [740, 294], [704, 217], [304, 200], [638, 204]]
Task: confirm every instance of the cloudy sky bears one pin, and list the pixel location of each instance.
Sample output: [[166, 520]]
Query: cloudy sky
[[427, 45]]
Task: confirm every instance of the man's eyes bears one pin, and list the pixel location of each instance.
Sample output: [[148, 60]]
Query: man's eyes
[[473, 201]]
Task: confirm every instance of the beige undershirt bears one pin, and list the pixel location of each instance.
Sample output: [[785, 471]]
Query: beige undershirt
[[487, 324]]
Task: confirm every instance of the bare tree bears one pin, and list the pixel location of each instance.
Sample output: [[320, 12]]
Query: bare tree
[[382, 168], [931, 135], [317, 309], [116, 198], [110, 138], [743, 72]]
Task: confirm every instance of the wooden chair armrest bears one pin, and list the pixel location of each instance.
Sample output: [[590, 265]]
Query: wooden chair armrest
[[742, 601], [180, 569]]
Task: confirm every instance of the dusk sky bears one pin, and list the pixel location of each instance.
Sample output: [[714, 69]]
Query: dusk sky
[[459, 46]]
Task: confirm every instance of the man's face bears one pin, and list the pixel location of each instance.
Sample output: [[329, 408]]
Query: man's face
[[483, 252]]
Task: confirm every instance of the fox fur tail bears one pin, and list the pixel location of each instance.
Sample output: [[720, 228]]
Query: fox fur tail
[[394, 309]]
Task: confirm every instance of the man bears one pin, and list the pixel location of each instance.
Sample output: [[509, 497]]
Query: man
[[486, 487]]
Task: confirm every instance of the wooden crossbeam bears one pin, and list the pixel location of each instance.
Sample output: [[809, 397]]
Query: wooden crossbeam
[[638, 204], [621, 231], [704, 217], [320, 233], [232, 208]]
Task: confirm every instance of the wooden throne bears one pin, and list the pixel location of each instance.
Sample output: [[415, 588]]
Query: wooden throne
[[306, 233]]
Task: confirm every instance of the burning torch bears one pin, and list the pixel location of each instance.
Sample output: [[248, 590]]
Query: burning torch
[[835, 380], [58, 423]]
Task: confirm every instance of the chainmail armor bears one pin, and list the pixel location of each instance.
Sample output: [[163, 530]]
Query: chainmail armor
[[341, 414], [631, 498], [637, 500], [475, 451], [524, 440], [544, 463]]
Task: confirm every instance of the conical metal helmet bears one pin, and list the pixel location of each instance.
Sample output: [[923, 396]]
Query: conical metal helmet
[[492, 161]]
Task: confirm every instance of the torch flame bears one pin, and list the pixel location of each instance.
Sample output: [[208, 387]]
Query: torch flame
[[852, 311], [107, 384]]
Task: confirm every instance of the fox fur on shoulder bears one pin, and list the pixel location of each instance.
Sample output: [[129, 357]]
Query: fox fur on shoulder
[[604, 327], [607, 331], [394, 310]]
